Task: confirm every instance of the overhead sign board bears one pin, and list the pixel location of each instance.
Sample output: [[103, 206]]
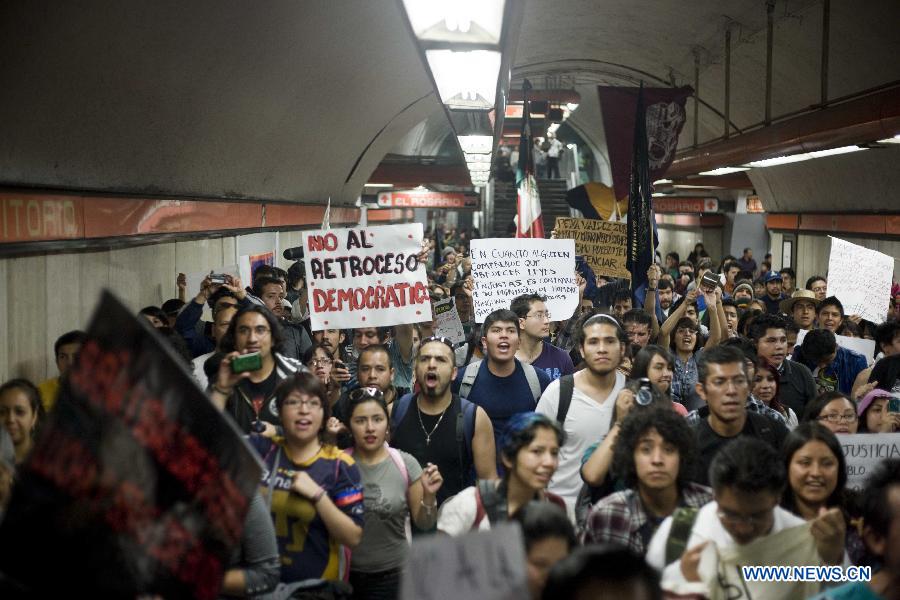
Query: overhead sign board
[[685, 205], [427, 199]]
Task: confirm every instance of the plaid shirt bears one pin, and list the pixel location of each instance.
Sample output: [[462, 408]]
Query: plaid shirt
[[621, 519], [753, 405]]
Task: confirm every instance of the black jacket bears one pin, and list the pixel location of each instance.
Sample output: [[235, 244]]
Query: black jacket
[[796, 386]]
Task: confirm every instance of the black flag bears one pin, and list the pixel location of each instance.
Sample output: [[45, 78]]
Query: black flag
[[641, 238]]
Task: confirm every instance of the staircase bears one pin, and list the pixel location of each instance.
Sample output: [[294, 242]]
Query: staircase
[[553, 204]]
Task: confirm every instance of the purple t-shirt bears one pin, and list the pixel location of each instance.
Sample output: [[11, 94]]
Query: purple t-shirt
[[554, 362]]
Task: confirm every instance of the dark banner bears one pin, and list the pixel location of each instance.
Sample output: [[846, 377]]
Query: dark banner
[[136, 485], [665, 119]]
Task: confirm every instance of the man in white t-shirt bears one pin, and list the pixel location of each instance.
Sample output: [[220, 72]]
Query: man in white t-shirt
[[221, 321], [744, 525], [601, 341]]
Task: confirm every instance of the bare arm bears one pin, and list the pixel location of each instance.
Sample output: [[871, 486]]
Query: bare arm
[[653, 275], [403, 337], [422, 500], [595, 470], [666, 330], [483, 450], [340, 526], [715, 327]]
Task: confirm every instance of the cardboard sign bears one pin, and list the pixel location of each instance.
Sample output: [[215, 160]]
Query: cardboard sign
[[601, 243], [137, 485], [248, 264], [488, 565], [863, 451], [503, 268], [860, 345], [366, 277], [861, 279], [447, 321]]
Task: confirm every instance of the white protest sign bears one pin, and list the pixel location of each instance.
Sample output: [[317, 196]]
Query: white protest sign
[[366, 277], [503, 268], [863, 346], [447, 322], [861, 279], [487, 565], [863, 451]]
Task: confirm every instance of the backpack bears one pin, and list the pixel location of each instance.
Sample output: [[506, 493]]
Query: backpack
[[489, 502], [566, 389], [465, 429], [471, 373]]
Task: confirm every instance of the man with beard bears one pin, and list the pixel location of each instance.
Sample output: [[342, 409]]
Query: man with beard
[[666, 296], [438, 427], [586, 413]]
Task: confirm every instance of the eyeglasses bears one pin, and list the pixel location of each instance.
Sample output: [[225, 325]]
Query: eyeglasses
[[366, 392], [836, 418], [311, 403], [259, 330], [727, 516], [322, 362], [441, 339], [541, 315]]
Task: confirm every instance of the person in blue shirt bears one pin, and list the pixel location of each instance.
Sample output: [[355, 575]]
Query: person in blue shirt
[[834, 368]]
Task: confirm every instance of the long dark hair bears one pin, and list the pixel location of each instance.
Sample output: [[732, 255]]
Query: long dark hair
[[812, 431], [763, 365], [227, 341], [641, 363]]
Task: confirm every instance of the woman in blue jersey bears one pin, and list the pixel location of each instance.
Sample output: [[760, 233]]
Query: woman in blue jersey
[[313, 490]]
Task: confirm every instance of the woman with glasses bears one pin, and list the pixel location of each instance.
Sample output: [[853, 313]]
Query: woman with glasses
[[834, 410], [313, 490], [396, 488], [318, 360], [530, 455]]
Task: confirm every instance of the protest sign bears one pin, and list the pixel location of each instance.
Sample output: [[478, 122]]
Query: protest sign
[[248, 264], [488, 565], [861, 279], [137, 485], [366, 277], [447, 322], [504, 268], [863, 451], [860, 345], [601, 243]]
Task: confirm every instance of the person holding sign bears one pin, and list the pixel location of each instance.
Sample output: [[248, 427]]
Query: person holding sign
[[395, 488], [534, 328], [530, 455]]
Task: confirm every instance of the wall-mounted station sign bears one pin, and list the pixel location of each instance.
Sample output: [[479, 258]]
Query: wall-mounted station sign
[[427, 199]]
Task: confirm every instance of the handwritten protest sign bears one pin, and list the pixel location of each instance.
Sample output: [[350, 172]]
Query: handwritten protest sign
[[487, 565], [860, 345], [504, 268], [366, 277], [861, 279], [863, 451], [137, 485], [447, 321], [601, 243]]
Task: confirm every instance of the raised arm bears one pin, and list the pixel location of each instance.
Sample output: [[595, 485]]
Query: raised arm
[[713, 306], [596, 468], [653, 275], [666, 330]]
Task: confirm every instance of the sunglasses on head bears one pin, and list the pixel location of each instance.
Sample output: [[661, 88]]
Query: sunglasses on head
[[435, 338], [366, 392]]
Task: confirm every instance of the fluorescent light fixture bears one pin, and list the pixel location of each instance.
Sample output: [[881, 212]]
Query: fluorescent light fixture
[[793, 158], [552, 128], [890, 140], [662, 181], [724, 171], [570, 146], [478, 167], [696, 187], [478, 158], [572, 106], [380, 185], [457, 21], [466, 80], [476, 144]]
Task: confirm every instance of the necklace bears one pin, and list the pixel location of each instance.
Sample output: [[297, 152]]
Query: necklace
[[433, 429]]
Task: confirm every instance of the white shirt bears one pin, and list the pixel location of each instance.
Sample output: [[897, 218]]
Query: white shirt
[[707, 527], [587, 422], [457, 514], [555, 147]]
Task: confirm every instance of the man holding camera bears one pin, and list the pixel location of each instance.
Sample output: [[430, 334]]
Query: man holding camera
[[219, 291], [252, 369]]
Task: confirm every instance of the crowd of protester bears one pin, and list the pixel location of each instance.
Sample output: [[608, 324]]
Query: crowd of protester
[[625, 439]]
